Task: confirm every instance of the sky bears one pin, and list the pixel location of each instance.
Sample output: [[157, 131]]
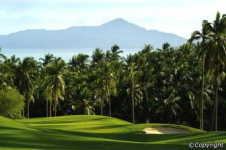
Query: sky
[[180, 17]]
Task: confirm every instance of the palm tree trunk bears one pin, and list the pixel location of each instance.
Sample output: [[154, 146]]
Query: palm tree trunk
[[216, 110], [168, 117], [133, 109], [202, 91], [102, 105], [109, 105], [133, 105], [216, 98], [215, 107], [50, 109], [23, 112], [56, 99], [47, 108], [55, 108], [146, 106], [28, 108]]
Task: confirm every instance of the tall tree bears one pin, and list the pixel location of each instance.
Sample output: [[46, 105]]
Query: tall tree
[[96, 66], [170, 106], [146, 78], [109, 83], [132, 73], [54, 81], [1, 55], [25, 74], [47, 60], [202, 35], [216, 56], [115, 53], [79, 62]]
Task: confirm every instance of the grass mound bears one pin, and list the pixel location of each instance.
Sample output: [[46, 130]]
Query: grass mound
[[81, 123], [95, 124], [12, 124], [95, 133]]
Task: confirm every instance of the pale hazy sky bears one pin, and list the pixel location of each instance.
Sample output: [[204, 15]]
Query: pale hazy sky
[[175, 16]]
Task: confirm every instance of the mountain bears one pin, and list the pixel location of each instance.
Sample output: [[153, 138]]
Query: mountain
[[118, 31]]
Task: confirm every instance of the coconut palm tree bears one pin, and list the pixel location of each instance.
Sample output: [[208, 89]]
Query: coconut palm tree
[[109, 82], [97, 64], [132, 73], [170, 106], [1, 55], [97, 58], [5, 76], [99, 92], [81, 98], [47, 60], [26, 72], [54, 81], [146, 78], [79, 62], [202, 35], [216, 56], [115, 52], [6, 73]]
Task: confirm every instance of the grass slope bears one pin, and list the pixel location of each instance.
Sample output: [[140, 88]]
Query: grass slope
[[93, 133]]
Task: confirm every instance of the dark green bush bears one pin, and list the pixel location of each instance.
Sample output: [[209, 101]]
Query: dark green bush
[[11, 103]]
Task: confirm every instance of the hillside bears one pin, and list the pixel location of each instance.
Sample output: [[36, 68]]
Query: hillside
[[118, 31]]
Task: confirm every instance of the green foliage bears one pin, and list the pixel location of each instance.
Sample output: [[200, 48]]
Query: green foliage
[[11, 103]]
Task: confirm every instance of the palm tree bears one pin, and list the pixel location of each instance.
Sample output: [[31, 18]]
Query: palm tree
[[81, 98], [45, 62], [170, 106], [97, 58], [98, 93], [132, 73], [202, 35], [147, 49], [1, 55], [79, 62], [54, 81], [26, 73], [5, 76], [146, 78], [105, 76], [109, 82], [96, 67], [216, 56], [115, 52]]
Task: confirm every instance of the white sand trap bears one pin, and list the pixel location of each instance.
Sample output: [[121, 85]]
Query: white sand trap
[[165, 130]]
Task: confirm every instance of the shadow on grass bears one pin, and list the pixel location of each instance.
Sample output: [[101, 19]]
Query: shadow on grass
[[138, 136], [134, 140], [59, 139], [43, 141]]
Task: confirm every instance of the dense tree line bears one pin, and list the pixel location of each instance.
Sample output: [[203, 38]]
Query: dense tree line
[[182, 85]]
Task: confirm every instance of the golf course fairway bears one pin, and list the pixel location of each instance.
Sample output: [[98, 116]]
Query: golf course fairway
[[83, 132]]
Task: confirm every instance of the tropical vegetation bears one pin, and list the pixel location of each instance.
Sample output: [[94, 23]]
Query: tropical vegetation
[[178, 85]]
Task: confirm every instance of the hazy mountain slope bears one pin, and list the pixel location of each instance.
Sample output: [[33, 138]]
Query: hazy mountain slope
[[118, 31]]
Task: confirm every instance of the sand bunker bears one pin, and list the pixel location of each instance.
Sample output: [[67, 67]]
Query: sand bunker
[[165, 130]]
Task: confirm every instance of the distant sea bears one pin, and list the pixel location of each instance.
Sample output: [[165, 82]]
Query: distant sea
[[65, 54]]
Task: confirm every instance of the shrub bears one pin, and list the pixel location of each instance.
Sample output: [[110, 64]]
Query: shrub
[[11, 103]]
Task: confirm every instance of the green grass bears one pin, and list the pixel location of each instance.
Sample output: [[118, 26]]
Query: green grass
[[94, 133]]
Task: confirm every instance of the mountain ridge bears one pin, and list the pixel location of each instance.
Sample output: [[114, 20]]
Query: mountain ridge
[[117, 31]]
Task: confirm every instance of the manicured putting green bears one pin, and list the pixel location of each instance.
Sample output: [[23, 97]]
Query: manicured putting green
[[94, 133]]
